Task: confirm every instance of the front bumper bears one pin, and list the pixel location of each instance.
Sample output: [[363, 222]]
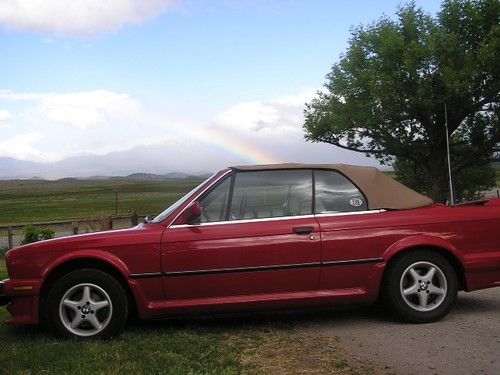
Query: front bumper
[[22, 299], [4, 300]]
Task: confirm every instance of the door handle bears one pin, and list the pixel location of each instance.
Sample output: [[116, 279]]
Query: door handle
[[303, 230]]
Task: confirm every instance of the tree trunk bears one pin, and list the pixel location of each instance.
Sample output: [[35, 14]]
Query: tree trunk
[[439, 189]]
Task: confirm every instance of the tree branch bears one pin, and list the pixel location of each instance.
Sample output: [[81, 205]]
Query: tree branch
[[351, 148]]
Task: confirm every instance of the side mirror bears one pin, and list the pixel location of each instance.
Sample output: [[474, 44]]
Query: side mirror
[[191, 214]]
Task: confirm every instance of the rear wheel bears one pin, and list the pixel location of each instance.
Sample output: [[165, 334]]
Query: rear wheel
[[421, 287], [87, 304]]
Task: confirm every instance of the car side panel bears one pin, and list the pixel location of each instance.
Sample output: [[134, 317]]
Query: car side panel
[[470, 234], [478, 232], [240, 258]]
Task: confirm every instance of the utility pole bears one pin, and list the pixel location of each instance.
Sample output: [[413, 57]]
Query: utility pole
[[448, 153], [116, 202]]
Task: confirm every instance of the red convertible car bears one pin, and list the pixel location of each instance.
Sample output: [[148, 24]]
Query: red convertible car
[[273, 236]]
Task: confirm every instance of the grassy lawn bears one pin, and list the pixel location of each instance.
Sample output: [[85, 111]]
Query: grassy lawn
[[31, 201], [3, 269], [273, 343]]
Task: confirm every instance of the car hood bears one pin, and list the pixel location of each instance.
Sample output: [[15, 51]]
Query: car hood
[[95, 240]]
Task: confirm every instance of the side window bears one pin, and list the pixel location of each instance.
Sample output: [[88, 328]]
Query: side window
[[214, 204], [265, 194], [335, 193]]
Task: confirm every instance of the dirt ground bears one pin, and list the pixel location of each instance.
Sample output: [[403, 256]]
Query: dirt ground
[[467, 341]]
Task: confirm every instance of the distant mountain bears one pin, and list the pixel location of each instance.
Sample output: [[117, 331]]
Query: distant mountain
[[152, 161], [177, 175], [143, 176], [159, 177], [12, 168]]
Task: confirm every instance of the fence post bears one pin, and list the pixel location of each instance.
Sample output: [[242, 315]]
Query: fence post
[[10, 236], [498, 193], [74, 224], [134, 219]]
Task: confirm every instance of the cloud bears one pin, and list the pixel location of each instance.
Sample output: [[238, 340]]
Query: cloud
[[275, 128], [282, 116], [22, 147], [5, 115], [78, 17], [126, 146], [118, 135], [81, 110], [53, 126]]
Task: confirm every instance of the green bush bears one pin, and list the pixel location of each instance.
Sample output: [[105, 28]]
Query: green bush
[[32, 234], [3, 250]]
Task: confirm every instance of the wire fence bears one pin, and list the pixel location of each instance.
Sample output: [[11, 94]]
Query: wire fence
[[10, 236]]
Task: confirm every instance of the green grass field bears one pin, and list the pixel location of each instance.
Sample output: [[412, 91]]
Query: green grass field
[[3, 269], [31, 201]]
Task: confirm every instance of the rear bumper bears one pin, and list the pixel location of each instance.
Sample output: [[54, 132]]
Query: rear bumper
[[4, 299], [482, 270]]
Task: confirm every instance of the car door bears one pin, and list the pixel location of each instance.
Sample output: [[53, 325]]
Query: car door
[[353, 240], [257, 236]]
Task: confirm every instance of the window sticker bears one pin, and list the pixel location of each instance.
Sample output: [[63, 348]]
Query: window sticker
[[356, 202]]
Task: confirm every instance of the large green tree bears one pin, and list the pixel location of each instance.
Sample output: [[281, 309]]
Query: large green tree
[[386, 95]]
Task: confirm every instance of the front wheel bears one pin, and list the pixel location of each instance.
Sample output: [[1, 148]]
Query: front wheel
[[421, 287], [87, 304]]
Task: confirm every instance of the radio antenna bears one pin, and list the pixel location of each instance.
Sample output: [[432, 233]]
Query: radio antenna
[[448, 153]]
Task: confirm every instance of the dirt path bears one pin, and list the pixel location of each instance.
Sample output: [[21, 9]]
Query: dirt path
[[467, 341]]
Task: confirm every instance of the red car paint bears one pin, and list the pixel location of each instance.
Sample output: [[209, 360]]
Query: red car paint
[[172, 267]]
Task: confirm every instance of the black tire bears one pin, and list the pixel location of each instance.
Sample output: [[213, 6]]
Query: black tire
[[414, 297], [102, 288]]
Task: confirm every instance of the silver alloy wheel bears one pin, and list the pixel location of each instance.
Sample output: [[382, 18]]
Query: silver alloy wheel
[[85, 309], [423, 286]]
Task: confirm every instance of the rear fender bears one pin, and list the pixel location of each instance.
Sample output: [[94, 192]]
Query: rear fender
[[421, 241]]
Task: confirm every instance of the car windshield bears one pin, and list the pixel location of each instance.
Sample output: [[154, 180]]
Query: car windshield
[[177, 204]]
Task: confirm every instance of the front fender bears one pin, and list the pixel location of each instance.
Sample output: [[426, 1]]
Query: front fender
[[95, 254]]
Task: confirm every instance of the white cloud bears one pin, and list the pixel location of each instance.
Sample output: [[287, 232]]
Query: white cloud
[[5, 115], [22, 147], [126, 146], [88, 109], [55, 126], [81, 110], [78, 17], [281, 116]]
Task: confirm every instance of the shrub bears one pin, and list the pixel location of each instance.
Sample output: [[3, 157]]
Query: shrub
[[32, 234], [3, 250]]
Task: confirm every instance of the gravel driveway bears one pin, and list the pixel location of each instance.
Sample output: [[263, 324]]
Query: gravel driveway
[[467, 341]]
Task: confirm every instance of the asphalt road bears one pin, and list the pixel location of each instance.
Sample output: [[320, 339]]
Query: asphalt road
[[467, 341]]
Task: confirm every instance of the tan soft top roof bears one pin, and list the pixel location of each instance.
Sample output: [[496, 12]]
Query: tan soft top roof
[[381, 191]]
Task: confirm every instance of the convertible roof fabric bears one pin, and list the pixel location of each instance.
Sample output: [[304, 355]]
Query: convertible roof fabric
[[381, 191]]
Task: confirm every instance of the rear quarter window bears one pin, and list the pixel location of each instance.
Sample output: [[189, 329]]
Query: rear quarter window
[[335, 193]]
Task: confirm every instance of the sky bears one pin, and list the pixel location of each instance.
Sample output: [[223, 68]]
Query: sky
[[172, 84]]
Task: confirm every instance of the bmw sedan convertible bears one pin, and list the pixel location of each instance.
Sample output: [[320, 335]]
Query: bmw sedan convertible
[[263, 237]]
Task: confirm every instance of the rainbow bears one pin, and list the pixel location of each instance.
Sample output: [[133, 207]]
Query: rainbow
[[251, 154], [245, 151]]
